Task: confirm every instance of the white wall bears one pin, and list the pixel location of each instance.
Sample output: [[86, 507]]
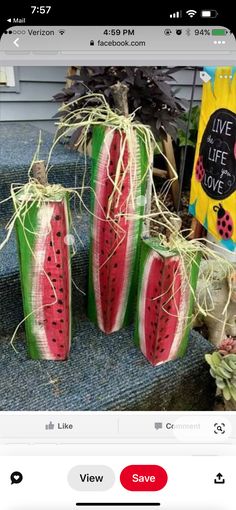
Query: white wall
[[33, 102]]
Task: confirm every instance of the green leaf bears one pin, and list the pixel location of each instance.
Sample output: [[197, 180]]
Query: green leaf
[[226, 393], [233, 392]]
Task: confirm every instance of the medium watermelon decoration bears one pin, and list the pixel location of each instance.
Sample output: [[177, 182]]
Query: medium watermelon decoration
[[45, 276], [119, 170], [165, 302]]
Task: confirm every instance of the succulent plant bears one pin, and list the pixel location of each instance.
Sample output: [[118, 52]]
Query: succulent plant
[[223, 369], [228, 346]]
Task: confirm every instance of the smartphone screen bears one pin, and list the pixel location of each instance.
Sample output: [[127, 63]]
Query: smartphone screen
[[117, 260]]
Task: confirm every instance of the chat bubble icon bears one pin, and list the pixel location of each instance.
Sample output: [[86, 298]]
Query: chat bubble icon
[[16, 477]]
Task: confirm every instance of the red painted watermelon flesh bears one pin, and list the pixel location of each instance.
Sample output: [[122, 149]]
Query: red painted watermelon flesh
[[112, 248], [161, 303], [51, 282]]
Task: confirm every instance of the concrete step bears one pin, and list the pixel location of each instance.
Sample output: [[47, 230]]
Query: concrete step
[[18, 143], [104, 373]]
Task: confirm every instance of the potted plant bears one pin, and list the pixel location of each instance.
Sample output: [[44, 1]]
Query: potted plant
[[150, 94]]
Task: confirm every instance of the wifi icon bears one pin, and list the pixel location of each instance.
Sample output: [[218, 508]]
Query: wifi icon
[[191, 13], [61, 32]]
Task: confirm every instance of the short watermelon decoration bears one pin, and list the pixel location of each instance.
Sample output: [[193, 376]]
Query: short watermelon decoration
[[164, 302], [119, 183], [45, 276]]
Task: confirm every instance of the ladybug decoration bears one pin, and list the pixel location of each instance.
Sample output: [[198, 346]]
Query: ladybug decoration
[[199, 169], [224, 222]]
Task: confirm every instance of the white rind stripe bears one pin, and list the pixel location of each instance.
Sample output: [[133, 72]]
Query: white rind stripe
[[142, 299]]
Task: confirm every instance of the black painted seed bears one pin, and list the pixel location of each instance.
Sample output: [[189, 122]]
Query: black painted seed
[[61, 320], [54, 339], [49, 274], [54, 323], [61, 346], [58, 265], [221, 232], [115, 265], [49, 259], [51, 244], [60, 302], [227, 217], [58, 234], [60, 331], [59, 310], [57, 217], [230, 227], [57, 252], [223, 223], [54, 280], [61, 289], [226, 234]]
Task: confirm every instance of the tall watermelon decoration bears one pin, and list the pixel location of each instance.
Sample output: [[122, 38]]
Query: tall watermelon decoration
[[120, 164], [42, 225], [119, 185], [165, 302]]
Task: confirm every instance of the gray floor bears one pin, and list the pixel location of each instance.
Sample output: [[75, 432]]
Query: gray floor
[[105, 373]]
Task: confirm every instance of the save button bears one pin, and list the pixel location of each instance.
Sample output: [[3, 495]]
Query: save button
[[143, 477]]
